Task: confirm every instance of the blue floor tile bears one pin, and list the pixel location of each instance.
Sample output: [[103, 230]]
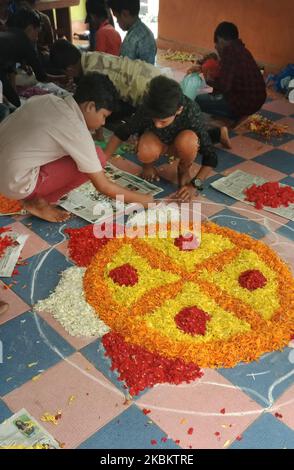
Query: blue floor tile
[[274, 141], [271, 115], [28, 339], [278, 160], [4, 410], [130, 430], [289, 180], [40, 276], [226, 160], [52, 233], [264, 380], [267, 432], [235, 221], [6, 220], [214, 195], [95, 353], [287, 230]]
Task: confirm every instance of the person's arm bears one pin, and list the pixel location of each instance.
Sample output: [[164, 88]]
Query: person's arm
[[113, 144], [135, 125], [110, 189], [206, 148], [224, 82]]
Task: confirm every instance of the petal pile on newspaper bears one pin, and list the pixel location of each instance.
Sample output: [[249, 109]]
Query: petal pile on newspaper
[[10, 257]]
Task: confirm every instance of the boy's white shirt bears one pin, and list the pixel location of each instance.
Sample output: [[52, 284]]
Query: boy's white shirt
[[41, 131], [130, 77]]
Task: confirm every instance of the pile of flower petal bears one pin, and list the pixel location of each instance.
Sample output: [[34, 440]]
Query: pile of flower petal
[[265, 127], [270, 194], [140, 369], [5, 240], [179, 56], [32, 91], [9, 206]]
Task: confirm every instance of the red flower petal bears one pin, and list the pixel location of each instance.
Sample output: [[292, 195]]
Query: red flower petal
[[145, 411], [153, 442], [140, 369], [190, 431], [278, 415], [222, 411], [125, 275], [252, 279], [192, 320]]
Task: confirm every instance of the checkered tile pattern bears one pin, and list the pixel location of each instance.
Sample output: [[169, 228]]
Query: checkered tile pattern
[[100, 417]]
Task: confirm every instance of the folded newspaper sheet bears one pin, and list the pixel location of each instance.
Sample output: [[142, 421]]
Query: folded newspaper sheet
[[87, 203], [21, 431], [235, 184], [12, 253]]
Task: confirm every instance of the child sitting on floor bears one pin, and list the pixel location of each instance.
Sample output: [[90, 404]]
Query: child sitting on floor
[[168, 122], [46, 149]]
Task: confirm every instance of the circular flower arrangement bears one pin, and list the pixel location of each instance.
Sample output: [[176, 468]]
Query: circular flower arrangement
[[225, 300], [175, 304]]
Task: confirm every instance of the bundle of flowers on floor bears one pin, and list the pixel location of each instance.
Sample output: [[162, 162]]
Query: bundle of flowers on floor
[[265, 127], [174, 307]]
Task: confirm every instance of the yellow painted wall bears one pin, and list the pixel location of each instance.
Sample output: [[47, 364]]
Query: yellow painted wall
[[78, 13]]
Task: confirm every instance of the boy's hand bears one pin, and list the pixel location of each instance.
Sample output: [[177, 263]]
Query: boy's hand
[[186, 193]]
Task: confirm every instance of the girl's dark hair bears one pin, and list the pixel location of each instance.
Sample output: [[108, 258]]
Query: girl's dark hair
[[132, 6], [99, 88], [24, 17], [227, 31], [163, 98], [64, 54]]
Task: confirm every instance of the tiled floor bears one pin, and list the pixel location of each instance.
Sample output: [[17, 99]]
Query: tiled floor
[[100, 417]]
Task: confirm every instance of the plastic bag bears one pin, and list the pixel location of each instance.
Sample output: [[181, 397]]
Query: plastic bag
[[282, 79], [191, 85]]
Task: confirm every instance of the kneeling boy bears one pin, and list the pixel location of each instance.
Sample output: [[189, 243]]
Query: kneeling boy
[[46, 149]]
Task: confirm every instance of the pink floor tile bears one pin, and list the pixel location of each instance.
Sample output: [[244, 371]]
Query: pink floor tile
[[285, 406], [176, 409], [96, 402], [16, 305], [76, 341], [289, 122], [248, 148], [281, 106], [34, 243], [63, 248], [269, 220], [257, 169], [288, 147]]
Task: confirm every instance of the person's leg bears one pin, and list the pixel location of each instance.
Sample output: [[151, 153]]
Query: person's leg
[[220, 135], [149, 150], [185, 147], [55, 180], [215, 104]]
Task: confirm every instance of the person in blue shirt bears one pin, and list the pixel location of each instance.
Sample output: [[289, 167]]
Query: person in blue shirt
[[139, 42]]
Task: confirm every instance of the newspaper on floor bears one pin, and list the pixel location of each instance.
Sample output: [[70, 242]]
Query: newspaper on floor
[[12, 253], [21, 431], [89, 204], [235, 184]]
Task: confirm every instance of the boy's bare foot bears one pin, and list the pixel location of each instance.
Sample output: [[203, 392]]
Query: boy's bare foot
[[3, 307], [224, 138], [41, 208], [150, 173]]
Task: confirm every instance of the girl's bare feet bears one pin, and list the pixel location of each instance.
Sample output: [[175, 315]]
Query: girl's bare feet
[[150, 173], [3, 307], [224, 138], [41, 208]]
